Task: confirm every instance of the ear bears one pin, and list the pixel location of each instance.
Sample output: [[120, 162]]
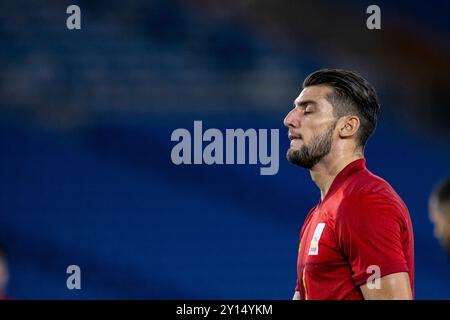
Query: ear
[[348, 126]]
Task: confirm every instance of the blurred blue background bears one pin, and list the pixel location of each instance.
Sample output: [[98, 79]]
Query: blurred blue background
[[86, 117]]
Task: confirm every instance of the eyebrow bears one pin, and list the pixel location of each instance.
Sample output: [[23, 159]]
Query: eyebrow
[[304, 103]]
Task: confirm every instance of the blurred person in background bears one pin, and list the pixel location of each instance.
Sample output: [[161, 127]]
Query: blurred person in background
[[4, 274], [439, 209]]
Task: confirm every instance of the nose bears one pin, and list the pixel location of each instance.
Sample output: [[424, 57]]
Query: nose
[[289, 120]]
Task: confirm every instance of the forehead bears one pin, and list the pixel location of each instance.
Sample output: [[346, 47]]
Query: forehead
[[316, 94]]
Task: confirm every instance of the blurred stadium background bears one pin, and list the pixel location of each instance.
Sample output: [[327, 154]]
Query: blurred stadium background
[[86, 118]]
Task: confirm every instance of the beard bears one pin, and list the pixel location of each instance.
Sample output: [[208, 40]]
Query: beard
[[308, 156]]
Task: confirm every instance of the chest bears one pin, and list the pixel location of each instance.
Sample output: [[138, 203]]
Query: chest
[[318, 243]]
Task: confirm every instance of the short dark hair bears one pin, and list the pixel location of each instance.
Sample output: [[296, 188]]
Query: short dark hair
[[441, 193], [352, 94]]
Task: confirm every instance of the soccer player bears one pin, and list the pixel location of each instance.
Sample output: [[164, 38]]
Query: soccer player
[[357, 242], [439, 205]]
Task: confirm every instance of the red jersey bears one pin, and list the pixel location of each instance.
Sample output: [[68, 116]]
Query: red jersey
[[361, 223]]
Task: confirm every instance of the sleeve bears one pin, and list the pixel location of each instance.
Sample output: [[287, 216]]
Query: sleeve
[[369, 231]]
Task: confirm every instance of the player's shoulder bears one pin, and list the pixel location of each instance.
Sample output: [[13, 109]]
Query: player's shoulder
[[365, 183], [370, 192]]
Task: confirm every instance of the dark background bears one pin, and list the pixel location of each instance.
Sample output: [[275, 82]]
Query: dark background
[[86, 118]]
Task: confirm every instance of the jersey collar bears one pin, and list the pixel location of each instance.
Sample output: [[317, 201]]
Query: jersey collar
[[350, 169]]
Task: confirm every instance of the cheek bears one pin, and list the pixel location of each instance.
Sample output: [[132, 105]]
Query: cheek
[[312, 131], [307, 137], [308, 129]]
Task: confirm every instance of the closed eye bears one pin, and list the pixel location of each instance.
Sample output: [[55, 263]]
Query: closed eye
[[307, 106]]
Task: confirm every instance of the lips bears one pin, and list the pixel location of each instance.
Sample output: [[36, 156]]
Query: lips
[[294, 136]]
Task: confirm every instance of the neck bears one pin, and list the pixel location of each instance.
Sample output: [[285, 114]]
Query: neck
[[324, 172]]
